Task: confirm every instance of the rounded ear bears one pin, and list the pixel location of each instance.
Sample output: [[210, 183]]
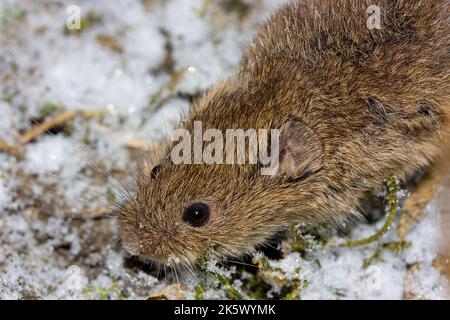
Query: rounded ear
[[300, 150]]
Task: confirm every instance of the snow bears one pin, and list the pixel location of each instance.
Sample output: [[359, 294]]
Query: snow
[[53, 243], [53, 154], [5, 197], [382, 279]]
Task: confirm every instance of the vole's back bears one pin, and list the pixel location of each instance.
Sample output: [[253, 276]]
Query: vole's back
[[362, 31], [377, 95], [403, 61]]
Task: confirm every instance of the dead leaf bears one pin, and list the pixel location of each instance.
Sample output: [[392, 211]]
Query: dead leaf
[[171, 292]]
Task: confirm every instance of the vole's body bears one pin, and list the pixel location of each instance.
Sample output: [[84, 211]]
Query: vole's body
[[369, 104]]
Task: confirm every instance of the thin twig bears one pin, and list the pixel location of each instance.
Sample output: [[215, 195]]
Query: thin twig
[[56, 121], [135, 143], [392, 199], [10, 149]]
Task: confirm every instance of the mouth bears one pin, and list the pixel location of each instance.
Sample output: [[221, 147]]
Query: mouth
[[172, 260], [169, 260], [130, 246]]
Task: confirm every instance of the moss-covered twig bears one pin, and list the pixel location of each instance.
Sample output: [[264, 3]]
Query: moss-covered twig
[[392, 199], [290, 288], [294, 290], [389, 246], [104, 293], [304, 241], [231, 291], [299, 244], [199, 291]]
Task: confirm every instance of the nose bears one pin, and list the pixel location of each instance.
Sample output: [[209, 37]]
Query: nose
[[131, 248]]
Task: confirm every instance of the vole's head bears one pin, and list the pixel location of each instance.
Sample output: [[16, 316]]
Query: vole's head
[[187, 211], [182, 212]]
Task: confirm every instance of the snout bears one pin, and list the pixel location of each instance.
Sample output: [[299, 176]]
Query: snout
[[151, 249]]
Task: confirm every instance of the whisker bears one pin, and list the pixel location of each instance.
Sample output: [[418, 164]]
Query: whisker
[[243, 263]]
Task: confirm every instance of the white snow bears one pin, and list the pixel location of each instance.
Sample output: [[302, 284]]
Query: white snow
[[5, 197], [54, 155]]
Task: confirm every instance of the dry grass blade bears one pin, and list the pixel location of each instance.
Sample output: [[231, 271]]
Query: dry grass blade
[[56, 121], [10, 149]]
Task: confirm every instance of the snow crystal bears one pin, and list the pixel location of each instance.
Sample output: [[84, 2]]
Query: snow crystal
[[54, 155]]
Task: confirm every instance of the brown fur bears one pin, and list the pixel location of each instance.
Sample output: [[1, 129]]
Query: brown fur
[[377, 100]]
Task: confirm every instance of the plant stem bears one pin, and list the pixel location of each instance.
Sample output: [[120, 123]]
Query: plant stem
[[392, 187]]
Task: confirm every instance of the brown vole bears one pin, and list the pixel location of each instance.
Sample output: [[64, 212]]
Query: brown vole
[[354, 106]]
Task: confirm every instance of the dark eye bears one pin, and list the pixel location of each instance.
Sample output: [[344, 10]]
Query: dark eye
[[154, 172], [196, 215]]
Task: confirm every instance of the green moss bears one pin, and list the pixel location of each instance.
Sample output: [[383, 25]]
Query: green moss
[[394, 246], [392, 187], [225, 283], [231, 291], [238, 7], [305, 240], [256, 287], [199, 291], [91, 19], [10, 15], [299, 244], [290, 289], [104, 293], [293, 291]]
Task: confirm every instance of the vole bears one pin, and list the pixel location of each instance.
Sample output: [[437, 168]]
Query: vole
[[353, 104]]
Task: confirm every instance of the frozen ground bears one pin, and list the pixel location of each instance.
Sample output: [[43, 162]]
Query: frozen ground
[[140, 62]]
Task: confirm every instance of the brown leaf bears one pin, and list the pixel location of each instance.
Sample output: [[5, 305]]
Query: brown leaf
[[170, 292]]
